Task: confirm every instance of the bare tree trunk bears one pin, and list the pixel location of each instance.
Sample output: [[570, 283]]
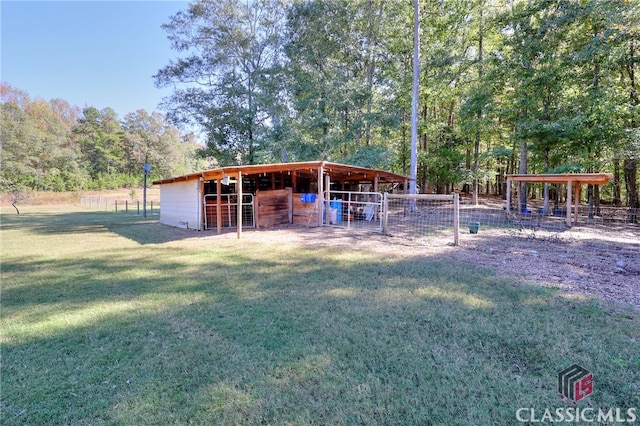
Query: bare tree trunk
[[546, 185], [476, 146], [631, 164], [523, 171], [617, 196], [631, 181]]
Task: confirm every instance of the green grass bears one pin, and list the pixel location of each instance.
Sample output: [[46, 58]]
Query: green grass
[[111, 319]]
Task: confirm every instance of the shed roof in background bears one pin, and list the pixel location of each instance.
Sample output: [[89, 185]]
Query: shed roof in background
[[577, 178]]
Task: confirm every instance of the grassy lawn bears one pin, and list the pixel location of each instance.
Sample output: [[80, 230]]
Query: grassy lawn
[[112, 319]]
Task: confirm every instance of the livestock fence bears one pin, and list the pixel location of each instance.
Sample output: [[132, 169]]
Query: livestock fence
[[427, 215], [404, 215], [109, 204]]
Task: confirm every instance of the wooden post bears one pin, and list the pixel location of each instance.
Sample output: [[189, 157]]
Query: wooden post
[[456, 219], [375, 189], [239, 210], [320, 194], [385, 213], [290, 205], [568, 216], [201, 203], [219, 205], [327, 205], [294, 181], [508, 195], [578, 188]]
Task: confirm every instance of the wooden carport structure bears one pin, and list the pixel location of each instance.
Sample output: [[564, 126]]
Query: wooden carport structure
[[574, 182], [277, 188]]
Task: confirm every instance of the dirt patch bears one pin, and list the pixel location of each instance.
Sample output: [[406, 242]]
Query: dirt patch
[[602, 263]]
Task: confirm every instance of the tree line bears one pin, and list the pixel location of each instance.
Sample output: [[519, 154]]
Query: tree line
[[506, 86], [55, 146]]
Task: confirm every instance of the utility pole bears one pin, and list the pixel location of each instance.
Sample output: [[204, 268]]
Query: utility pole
[[147, 169], [414, 101]]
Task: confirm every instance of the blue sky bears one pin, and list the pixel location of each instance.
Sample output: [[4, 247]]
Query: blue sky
[[89, 53]]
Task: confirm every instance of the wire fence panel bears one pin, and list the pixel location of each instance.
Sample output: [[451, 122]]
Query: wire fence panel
[[552, 219], [422, 215], [107, 204]]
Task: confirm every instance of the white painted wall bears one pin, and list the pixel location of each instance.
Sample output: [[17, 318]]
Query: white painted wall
[[180, 204]]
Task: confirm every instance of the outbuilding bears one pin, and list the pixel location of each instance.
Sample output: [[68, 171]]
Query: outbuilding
[[573, 182], [269, 194]]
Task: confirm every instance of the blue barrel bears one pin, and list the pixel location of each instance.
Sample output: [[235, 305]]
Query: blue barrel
[[337, 204]]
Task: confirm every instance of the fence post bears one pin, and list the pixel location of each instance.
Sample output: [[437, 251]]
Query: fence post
[[456, 219], [138, 205], [126, 206], [385, 213], [116, 206]]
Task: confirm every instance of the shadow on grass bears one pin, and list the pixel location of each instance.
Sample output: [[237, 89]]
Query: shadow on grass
[[133, 227], [271, 334]]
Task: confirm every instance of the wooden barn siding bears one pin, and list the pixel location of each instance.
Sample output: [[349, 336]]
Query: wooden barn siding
[[304, 214], [273, 207]]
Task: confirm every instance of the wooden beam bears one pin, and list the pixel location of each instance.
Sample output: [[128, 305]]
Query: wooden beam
[[239, 195], [327, 202], [290, 205], [320, 194], [568, 216], [201, 204], [578, 188], [219, 206]]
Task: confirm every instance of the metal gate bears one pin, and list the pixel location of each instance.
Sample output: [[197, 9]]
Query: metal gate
[[353, 210], [228, 211]]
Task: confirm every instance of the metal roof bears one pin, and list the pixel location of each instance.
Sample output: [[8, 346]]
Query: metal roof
[[338, 172], [577, 178]]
